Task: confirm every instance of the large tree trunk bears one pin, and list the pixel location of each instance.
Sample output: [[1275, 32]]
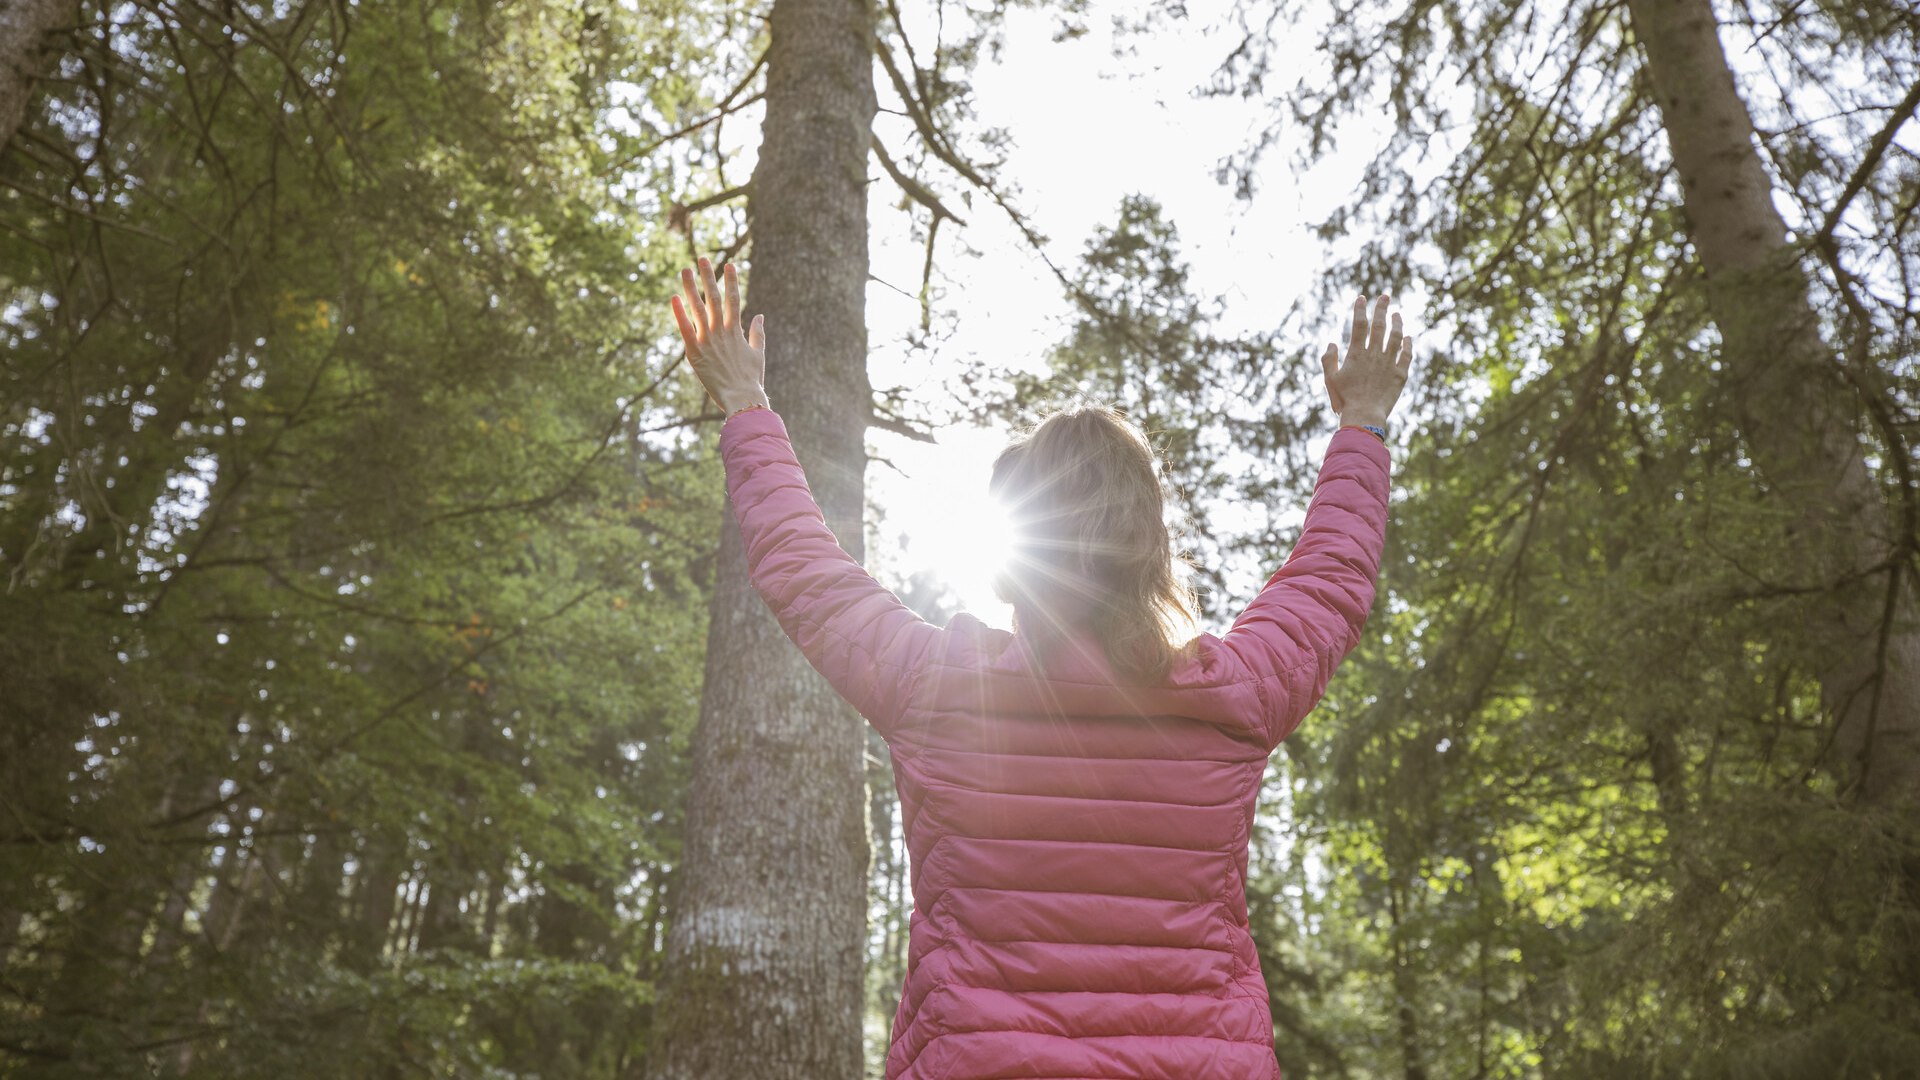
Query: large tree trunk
[[25, 26], [1796, 410], [764, 951]]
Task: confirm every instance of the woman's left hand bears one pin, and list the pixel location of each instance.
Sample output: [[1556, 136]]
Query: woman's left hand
[[731, 366]]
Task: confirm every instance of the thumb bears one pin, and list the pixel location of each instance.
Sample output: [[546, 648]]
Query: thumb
[[757, 333], [1328, 370]]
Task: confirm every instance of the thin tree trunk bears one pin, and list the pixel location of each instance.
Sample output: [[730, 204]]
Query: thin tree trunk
[[490, 919], [1483, 880], [880, 828], [764, 949], [163, 931], [26, 51], [456, 874], [1796, 410], [1405, 992], [224, 910], [418, 895], [379, 874], [651, 947]]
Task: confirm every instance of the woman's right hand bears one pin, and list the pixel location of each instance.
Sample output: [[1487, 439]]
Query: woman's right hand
[[1364, 388]]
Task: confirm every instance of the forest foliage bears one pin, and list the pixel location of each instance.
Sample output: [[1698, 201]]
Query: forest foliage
[[358, 526]]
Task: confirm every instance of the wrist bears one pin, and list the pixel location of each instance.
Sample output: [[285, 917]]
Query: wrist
[[1363, 417], [745, 401]]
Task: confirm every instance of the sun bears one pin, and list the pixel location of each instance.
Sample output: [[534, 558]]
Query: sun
[[962, 536], [947, 523]]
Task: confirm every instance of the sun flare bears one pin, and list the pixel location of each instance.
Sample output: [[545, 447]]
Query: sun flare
[[966, 542], [946, 522]]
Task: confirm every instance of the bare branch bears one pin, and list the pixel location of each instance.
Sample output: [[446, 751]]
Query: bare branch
[[889, 422], [724, 107], [937, 145], [1861, 173], [912, 187]]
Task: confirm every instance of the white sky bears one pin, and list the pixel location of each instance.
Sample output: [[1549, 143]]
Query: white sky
[[1086, 129]]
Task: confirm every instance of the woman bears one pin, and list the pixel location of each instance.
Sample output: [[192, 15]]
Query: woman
[[1077, 793]]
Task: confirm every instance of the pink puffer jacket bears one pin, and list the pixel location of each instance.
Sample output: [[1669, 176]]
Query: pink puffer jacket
[[1078, 851]]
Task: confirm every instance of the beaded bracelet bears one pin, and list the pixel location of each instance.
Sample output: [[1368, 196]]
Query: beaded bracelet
[[744, 408], [1380, 431]]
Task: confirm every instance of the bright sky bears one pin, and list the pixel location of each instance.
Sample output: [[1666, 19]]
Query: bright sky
[[1086, 129], [1124, 125]]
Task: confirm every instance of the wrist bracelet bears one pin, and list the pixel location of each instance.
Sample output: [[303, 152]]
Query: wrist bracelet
[[744, 408], [1380, 431]]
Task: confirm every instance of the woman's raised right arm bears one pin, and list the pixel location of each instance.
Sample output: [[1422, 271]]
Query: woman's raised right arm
[[1311, 612]]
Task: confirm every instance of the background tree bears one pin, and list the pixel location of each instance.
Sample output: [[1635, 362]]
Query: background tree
[[1603, 785], [29, 37], [355, 551], [1140, 339], [764, 958]]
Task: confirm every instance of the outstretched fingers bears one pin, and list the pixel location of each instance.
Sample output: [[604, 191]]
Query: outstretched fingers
[[687, 331], [717, 314], [702, 319]]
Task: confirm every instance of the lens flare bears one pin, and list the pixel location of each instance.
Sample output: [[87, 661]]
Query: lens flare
[[966, 539]]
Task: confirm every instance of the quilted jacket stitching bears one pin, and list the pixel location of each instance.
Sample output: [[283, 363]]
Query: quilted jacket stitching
[[933, 782], [906, 671]]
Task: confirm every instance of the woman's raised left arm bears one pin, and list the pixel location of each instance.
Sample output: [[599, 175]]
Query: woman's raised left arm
[[852, 629]]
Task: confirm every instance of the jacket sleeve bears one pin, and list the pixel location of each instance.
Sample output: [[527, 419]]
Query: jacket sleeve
[[1311, 612], [852, 629]]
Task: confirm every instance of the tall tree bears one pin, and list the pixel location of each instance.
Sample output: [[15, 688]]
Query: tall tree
[[27, 46], [1798, 409], [765, 955]]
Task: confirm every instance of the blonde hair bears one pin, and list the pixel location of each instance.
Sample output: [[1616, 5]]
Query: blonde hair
[[1091, 549]]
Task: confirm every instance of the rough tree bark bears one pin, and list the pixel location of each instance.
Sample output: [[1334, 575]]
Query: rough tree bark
[[25, 26], [764, 957], [1796, 410]]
